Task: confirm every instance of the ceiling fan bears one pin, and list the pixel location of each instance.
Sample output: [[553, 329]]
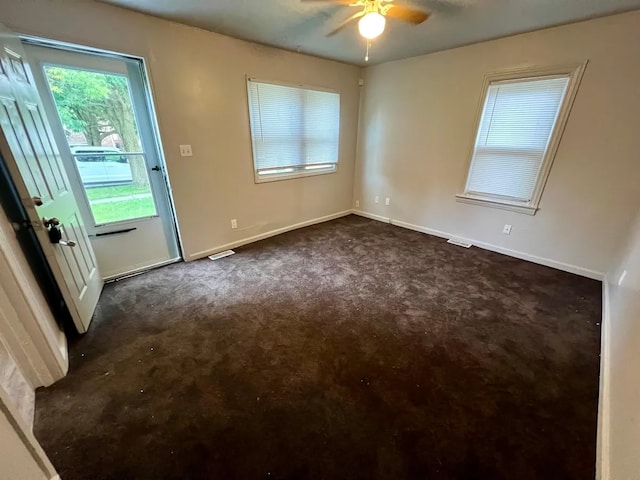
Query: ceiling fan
[[373, 15]]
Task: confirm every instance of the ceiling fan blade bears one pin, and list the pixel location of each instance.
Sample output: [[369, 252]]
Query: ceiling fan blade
[[406, 14], [346, 23], [341, 2]]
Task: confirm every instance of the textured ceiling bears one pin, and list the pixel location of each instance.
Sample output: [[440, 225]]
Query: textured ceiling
[[298, 26]]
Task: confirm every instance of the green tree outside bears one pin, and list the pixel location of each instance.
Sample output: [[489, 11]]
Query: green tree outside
[[97, 105]]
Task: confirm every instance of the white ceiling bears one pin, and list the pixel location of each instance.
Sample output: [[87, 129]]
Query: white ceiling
[[298, 26]]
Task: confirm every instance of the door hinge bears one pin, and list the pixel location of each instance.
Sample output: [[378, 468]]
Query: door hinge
[[26, 225]]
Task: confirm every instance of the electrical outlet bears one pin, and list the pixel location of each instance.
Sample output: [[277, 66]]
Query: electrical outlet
[[387, 201], [507, 229], [357, 203], [185, 151], [377, 199], [234, 223]]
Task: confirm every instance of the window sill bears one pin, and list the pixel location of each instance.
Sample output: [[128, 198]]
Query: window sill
[[494, 203], [288, 176]]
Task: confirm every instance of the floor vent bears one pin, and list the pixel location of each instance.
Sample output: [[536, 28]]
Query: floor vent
[[220, 255], [459, 243]]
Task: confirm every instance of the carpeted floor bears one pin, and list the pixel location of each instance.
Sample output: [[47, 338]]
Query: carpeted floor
[[347, 350]]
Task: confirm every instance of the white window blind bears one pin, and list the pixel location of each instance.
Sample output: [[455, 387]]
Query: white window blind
[[516, 124], [294, 130]]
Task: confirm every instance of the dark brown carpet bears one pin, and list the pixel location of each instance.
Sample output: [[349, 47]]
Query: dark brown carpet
[[347, 350]]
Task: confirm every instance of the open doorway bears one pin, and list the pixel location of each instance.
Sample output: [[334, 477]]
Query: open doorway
[[88, 170], [102, 120]]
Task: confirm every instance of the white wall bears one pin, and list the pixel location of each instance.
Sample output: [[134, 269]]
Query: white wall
[[417, 127], [200, 93], [621, 420]]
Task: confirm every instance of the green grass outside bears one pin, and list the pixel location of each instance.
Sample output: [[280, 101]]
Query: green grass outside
[[122, 207], [98, 193]]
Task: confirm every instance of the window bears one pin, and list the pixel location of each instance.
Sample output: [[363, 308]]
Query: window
[[518, 132], [294, 130]]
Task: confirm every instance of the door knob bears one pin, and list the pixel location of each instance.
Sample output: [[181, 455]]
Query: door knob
[[52, 222], [37, 201], [55, 237], [156, 168]]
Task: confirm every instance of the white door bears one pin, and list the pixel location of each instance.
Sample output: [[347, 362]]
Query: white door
[[28, 147], [101, 118]]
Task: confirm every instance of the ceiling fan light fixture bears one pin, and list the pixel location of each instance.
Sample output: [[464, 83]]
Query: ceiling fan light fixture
[[371, 25]]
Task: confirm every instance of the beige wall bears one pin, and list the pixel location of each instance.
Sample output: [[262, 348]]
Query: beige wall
[[417, 126], [19, 390], [21, 456], [623, 360], [32, 347], [200, 95], [16, 462]]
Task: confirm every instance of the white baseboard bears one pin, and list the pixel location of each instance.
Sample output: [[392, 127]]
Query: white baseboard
[[270, 233], [585, 272], [372, 216], [429, 231], [604, 412]]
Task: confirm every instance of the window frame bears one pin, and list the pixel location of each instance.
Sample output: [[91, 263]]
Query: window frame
[[298, 172], [575, 73]]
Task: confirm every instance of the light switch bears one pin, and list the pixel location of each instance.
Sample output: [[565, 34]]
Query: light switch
[[185, 151]]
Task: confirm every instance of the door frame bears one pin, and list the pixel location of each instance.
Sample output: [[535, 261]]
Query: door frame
[[147, 88], [17, 215], [29, 324]]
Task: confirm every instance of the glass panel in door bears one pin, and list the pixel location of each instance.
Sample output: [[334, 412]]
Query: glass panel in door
[[99, 123]]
